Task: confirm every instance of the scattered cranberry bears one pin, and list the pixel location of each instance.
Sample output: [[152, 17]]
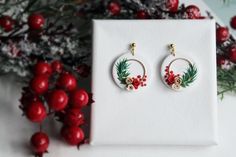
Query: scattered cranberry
[[36, 21], [220, 60], [7, 23], [39, 84], [222, 34], [233, 22], [42, 68], [74, 117], [114, 8], [36, 112], [142, 14], [72, 135], [39, 142], [57, 66], [67, 81], [172, 5], [58, 100], [79, 98], [83, 70], [193, 12], [232, 53]]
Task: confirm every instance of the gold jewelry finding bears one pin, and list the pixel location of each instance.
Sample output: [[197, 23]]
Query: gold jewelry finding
[[172, 49], [132, 47]]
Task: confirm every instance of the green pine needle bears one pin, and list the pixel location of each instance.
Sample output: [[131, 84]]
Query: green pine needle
[[226, 81], [189, 76], [122, 70]]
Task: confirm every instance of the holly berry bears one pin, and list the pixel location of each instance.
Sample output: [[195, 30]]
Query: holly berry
[[7, 23], [36, 112], [58, 100], [193, 12], [39, 84], [72, 135], [79, 98], [232, 53], [27, 98], [57, 66], [222, 34], [67, 81], [172, 5], [83, 70], [74, 117], [42, 68], [220, 60], [233, 22], [114, 8], [39, 142], [142, 14], [36, 21]]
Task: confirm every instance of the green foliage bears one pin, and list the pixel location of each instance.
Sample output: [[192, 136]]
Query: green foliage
[[226, 81], [122, 70], [189, 76]]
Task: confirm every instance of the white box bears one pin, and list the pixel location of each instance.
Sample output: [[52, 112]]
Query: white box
[[156, 115]]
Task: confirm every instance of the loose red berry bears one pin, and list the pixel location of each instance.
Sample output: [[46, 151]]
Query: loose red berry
[[220, 60], [57, 66], [172, 5], [36, 21], [39, 142], [39, 84], [83, 70], [74, 117], [57, 100], [193, 12], [28, 97], [7, 23], [232, 53], [222, 34], [42, 68], [72, 135], [67, 81], [142, 14], [79, 98], [36, 112], [114, 8], [233, 22]]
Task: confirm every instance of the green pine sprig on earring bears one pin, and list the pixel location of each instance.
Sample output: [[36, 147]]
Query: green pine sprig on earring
[[189, 76], [122, 68]]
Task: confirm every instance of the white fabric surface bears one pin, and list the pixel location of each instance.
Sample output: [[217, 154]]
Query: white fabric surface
[[156, 115]]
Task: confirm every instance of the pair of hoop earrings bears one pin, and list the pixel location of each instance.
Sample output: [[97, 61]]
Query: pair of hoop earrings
[[130, 71]]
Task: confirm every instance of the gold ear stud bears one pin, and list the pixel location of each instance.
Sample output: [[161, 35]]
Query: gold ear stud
[[132, 48]]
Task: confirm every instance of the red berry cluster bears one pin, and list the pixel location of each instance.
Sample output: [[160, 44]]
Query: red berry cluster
[[139, 81], [53, 90], [35, 22], [170, 76]]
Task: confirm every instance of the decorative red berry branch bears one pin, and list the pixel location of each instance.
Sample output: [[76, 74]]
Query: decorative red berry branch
[[54, 91]]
